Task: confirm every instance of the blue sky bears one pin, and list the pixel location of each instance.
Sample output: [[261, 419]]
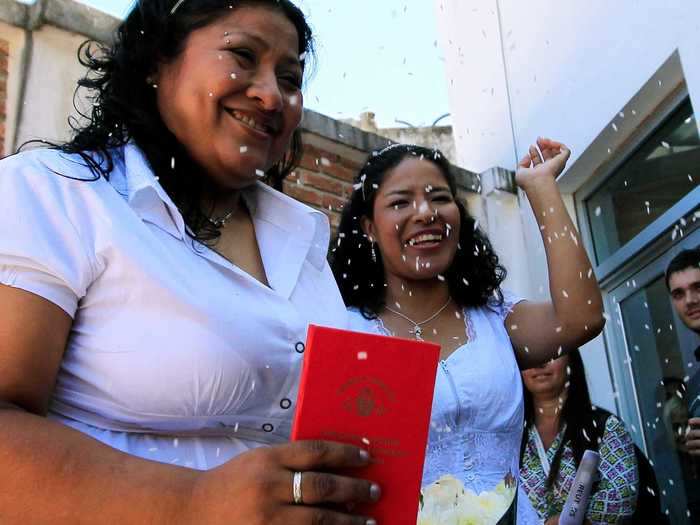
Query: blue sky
[[373, 55]]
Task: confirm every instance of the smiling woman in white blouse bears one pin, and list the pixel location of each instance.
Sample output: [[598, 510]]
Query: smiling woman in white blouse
[[411, 262], [154, 294]]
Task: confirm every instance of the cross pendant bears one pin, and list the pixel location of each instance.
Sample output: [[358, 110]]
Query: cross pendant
[[417, 331]]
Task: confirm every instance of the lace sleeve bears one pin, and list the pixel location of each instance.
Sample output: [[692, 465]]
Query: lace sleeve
[[509, 301], [616, 496]]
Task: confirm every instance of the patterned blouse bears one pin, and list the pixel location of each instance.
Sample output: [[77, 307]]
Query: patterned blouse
[[616, 494]]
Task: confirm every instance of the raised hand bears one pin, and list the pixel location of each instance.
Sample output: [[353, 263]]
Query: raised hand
[[534, 166]]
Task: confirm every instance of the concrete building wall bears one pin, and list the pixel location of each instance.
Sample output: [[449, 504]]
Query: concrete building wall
[[439, 137], [14, 42], [54, 63]]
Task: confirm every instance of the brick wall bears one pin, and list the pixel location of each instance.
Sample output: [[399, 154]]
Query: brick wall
[[4, 52], [323, 179]]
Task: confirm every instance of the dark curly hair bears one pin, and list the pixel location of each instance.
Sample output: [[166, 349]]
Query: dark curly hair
[[124, 104], [474, 277]]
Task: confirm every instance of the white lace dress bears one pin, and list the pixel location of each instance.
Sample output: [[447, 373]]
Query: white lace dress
[[471, 465]]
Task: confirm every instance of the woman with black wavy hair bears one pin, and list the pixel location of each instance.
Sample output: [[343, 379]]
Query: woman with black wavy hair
[[411, 262], [155, 295]]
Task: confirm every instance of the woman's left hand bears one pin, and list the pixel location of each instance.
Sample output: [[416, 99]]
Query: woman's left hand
[[535, 167]]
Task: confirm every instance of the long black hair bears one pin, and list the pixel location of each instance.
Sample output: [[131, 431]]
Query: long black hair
[[124, 104], [584, 422], [473, 278]]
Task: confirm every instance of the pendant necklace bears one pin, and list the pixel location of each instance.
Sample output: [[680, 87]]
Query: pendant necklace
[[417, 331], [221, 221]]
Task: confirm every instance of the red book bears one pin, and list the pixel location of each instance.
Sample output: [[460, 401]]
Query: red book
[[374, 392]]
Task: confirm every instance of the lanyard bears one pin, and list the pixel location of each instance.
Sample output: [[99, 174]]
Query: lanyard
[[544, 460]]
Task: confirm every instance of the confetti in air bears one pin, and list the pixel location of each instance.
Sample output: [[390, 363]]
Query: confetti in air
[[260, 173]]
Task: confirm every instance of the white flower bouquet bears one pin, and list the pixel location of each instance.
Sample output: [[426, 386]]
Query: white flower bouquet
[[448, 502]]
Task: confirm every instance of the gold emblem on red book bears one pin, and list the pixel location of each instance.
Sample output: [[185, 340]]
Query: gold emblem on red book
[[366, 397]]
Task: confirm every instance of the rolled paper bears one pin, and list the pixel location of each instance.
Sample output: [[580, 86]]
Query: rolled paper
[[574, 510]]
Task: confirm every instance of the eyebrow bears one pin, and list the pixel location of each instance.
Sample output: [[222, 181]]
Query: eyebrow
[[433, 189], [682, 288], [289, 59]]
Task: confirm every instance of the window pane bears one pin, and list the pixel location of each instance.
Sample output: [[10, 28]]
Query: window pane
[[661, 172], [661, 367]]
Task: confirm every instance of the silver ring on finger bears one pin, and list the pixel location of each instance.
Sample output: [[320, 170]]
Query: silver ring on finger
[[296, 489]]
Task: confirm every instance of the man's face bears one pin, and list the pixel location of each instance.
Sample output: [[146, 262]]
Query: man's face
[[685, 296]]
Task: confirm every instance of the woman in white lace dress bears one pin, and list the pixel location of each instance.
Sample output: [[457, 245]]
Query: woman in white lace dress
[[411, 262]]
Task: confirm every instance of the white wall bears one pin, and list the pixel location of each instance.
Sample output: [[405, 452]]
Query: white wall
[[469, 37], [54, 66], [570, 67]]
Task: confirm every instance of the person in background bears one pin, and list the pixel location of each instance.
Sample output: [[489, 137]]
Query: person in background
[[155, 294], [560, 424], [411, 262], [683, 285]]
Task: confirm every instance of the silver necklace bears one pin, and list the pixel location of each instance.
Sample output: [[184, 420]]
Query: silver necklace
[[221, 221], [417, 331]]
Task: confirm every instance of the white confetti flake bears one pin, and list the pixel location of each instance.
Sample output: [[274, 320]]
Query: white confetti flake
[[243, 149], [175, 442], [361, 356], [172, 163], [233, 76], [564, 293], [260, 173], [365, 441], [665, 144], [325, 161], [514, 327], [598, 211]]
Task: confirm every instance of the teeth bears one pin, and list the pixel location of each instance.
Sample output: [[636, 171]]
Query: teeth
[[250, 121], [428, 237]]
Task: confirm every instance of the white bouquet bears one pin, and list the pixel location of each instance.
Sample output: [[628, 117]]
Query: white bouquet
[[448, 502]]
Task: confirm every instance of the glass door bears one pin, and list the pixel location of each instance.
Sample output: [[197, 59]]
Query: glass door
[[658, 361]]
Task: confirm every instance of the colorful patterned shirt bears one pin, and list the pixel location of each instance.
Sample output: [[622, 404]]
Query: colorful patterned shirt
[[616, 494]]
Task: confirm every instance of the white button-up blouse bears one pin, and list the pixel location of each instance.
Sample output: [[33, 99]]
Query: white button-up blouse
[[175, 354]]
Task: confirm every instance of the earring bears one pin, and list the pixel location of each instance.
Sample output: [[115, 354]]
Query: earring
[[373, 253]]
